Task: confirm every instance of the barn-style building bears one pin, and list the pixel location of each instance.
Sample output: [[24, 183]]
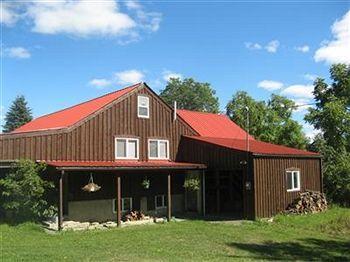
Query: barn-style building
[[130, 136]]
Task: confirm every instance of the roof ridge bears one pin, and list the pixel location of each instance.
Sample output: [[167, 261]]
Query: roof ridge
[[201, 112], [87, 101]]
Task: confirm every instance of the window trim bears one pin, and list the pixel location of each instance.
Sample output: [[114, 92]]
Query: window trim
[[164, 204], [114, 207], [138, 106], [127, 139], [158, 148], [291, 172]]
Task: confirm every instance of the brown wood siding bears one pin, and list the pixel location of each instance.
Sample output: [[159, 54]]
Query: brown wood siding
[[218, 158], [271, 194], [93, 139]]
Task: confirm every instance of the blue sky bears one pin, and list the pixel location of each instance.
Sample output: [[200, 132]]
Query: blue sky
[[61, 53]]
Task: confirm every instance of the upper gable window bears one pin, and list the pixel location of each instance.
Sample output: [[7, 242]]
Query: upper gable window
[[293, 180], [143, 106], [126, 148]]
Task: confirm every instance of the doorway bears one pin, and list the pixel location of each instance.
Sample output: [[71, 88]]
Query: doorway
[[224, 192]]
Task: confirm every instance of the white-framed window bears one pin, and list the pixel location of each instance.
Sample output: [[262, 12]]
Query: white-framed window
[[126, 148], [293, 180], [160, 201], [126, 204], [158, 149], [143, 106]]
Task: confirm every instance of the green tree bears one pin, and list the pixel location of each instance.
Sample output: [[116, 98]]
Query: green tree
[[331, 116], [269, 121], [24, 193], [18, 114], [190, 95]]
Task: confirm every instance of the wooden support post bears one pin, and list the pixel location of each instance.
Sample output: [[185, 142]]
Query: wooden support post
[[169, 199], [119, 194], [60, 201], [203, 192], [217, 178]]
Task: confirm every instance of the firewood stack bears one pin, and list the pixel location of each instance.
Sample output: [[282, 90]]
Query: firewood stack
[[134, 215], [308, 202]]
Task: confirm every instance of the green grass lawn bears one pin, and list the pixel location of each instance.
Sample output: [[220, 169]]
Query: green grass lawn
[[318, 237]]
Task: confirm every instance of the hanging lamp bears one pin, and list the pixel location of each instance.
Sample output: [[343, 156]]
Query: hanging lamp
[[91, 186]]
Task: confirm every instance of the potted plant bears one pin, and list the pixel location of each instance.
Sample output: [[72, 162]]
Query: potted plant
[[192, 183], [146, 183]]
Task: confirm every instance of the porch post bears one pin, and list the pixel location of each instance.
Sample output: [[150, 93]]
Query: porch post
[[217, 178], [119, 211], [169, 199], [60, 201], [203, 192]]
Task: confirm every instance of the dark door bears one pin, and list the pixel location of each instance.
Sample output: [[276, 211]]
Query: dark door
[[224, 192]]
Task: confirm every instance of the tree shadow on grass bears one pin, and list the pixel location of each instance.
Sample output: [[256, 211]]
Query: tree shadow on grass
[[309, 249]]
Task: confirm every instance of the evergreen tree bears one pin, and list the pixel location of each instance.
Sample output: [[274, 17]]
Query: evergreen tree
[[18, 114]]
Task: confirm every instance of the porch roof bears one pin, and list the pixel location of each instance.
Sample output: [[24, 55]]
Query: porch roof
[[123, 165]]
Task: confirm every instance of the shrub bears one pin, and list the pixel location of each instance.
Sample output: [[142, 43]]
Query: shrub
[[192, 183], [23, 192]]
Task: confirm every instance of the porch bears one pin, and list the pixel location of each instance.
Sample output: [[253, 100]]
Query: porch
[[123, 189]]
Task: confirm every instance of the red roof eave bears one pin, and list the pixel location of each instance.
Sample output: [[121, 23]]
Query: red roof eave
[[132, 164], [257, 148]]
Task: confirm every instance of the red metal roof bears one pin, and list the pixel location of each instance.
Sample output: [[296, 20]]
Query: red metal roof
[[69, 116], [212, 125], [255, 146], [126, 164]]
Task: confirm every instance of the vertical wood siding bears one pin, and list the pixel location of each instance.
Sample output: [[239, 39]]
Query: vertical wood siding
[[94, 138], [271, 194], [218, 158]]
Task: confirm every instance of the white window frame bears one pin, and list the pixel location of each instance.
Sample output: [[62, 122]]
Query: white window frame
[[158, 148], [127, 147], [122, 202], [164, 204], [291, 173], [138, 105]]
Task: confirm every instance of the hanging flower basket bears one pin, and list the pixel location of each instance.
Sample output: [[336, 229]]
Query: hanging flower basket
[[146, 183], [91, 186], [192, 183]]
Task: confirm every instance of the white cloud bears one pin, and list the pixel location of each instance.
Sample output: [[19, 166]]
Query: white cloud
[[132, 4], [302, 104], [270, 85], [129, 77], [299, 91], [8, 16], [272, 46], [336, 50], [16, 52], [100, 82], [253, 46], [303, 49], [310, 77], [83, 18], [310, 131], [169, 74]]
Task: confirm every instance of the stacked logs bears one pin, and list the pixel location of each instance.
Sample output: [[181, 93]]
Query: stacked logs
[[308, 202], [134, 215]]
